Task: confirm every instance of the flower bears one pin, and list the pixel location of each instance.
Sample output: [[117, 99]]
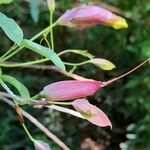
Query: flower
[[70, 90], [84, 16], [92, 113], [102, 63]]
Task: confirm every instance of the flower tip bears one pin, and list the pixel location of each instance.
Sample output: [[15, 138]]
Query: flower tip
[[110, 125], [119, 24], [110, 66], [103, 63]]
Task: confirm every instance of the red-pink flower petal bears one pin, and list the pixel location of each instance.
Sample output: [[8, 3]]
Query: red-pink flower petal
[[71, 89], [83, 16], [92, 113]]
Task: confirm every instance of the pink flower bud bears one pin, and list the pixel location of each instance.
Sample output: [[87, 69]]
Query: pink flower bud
[[84, 16], [71, 89], [92, 113]]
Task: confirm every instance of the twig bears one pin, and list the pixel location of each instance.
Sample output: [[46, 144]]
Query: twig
[[54, 107], [37, 123], [54, 68]]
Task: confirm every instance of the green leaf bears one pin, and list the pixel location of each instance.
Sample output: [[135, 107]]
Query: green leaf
[[44, 51], [34, 9], [5, 1], [11, 29], [17, 84]]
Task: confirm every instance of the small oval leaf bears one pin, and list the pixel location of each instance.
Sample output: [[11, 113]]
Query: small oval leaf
[[17, 84], [44, 51], [11, 29]]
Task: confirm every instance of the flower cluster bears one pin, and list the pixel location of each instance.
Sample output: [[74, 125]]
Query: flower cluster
[[81, 17]]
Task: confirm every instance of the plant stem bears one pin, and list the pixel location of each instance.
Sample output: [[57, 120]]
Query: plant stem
[[23, 64], [37, 96], [27, 132], [8, 51], [51, 32], [125, 74], [76, 64], [32, 39], [11, 64], [47, 43], [68, 51]]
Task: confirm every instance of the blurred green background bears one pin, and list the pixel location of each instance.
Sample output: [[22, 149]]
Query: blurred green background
[[126, 102]]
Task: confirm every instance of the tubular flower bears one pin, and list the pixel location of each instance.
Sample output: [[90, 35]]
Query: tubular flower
[[92, 113], [84, 16], [70, 90]]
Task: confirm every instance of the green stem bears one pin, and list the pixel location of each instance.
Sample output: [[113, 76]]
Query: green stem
[[70, 51], [23, 64], [76, 64], [65, 51], [8, 52], [83, 53], [32, 39], [37, 96], [38, 62], [51, 32], [47, 42], [44, 31], [27, 132]]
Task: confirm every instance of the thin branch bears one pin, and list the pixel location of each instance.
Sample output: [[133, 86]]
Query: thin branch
[[37, 123], [54, 68], [54, 107], [106, 83]]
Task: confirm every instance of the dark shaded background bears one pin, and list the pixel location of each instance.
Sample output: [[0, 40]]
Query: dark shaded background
[[126, 102]]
